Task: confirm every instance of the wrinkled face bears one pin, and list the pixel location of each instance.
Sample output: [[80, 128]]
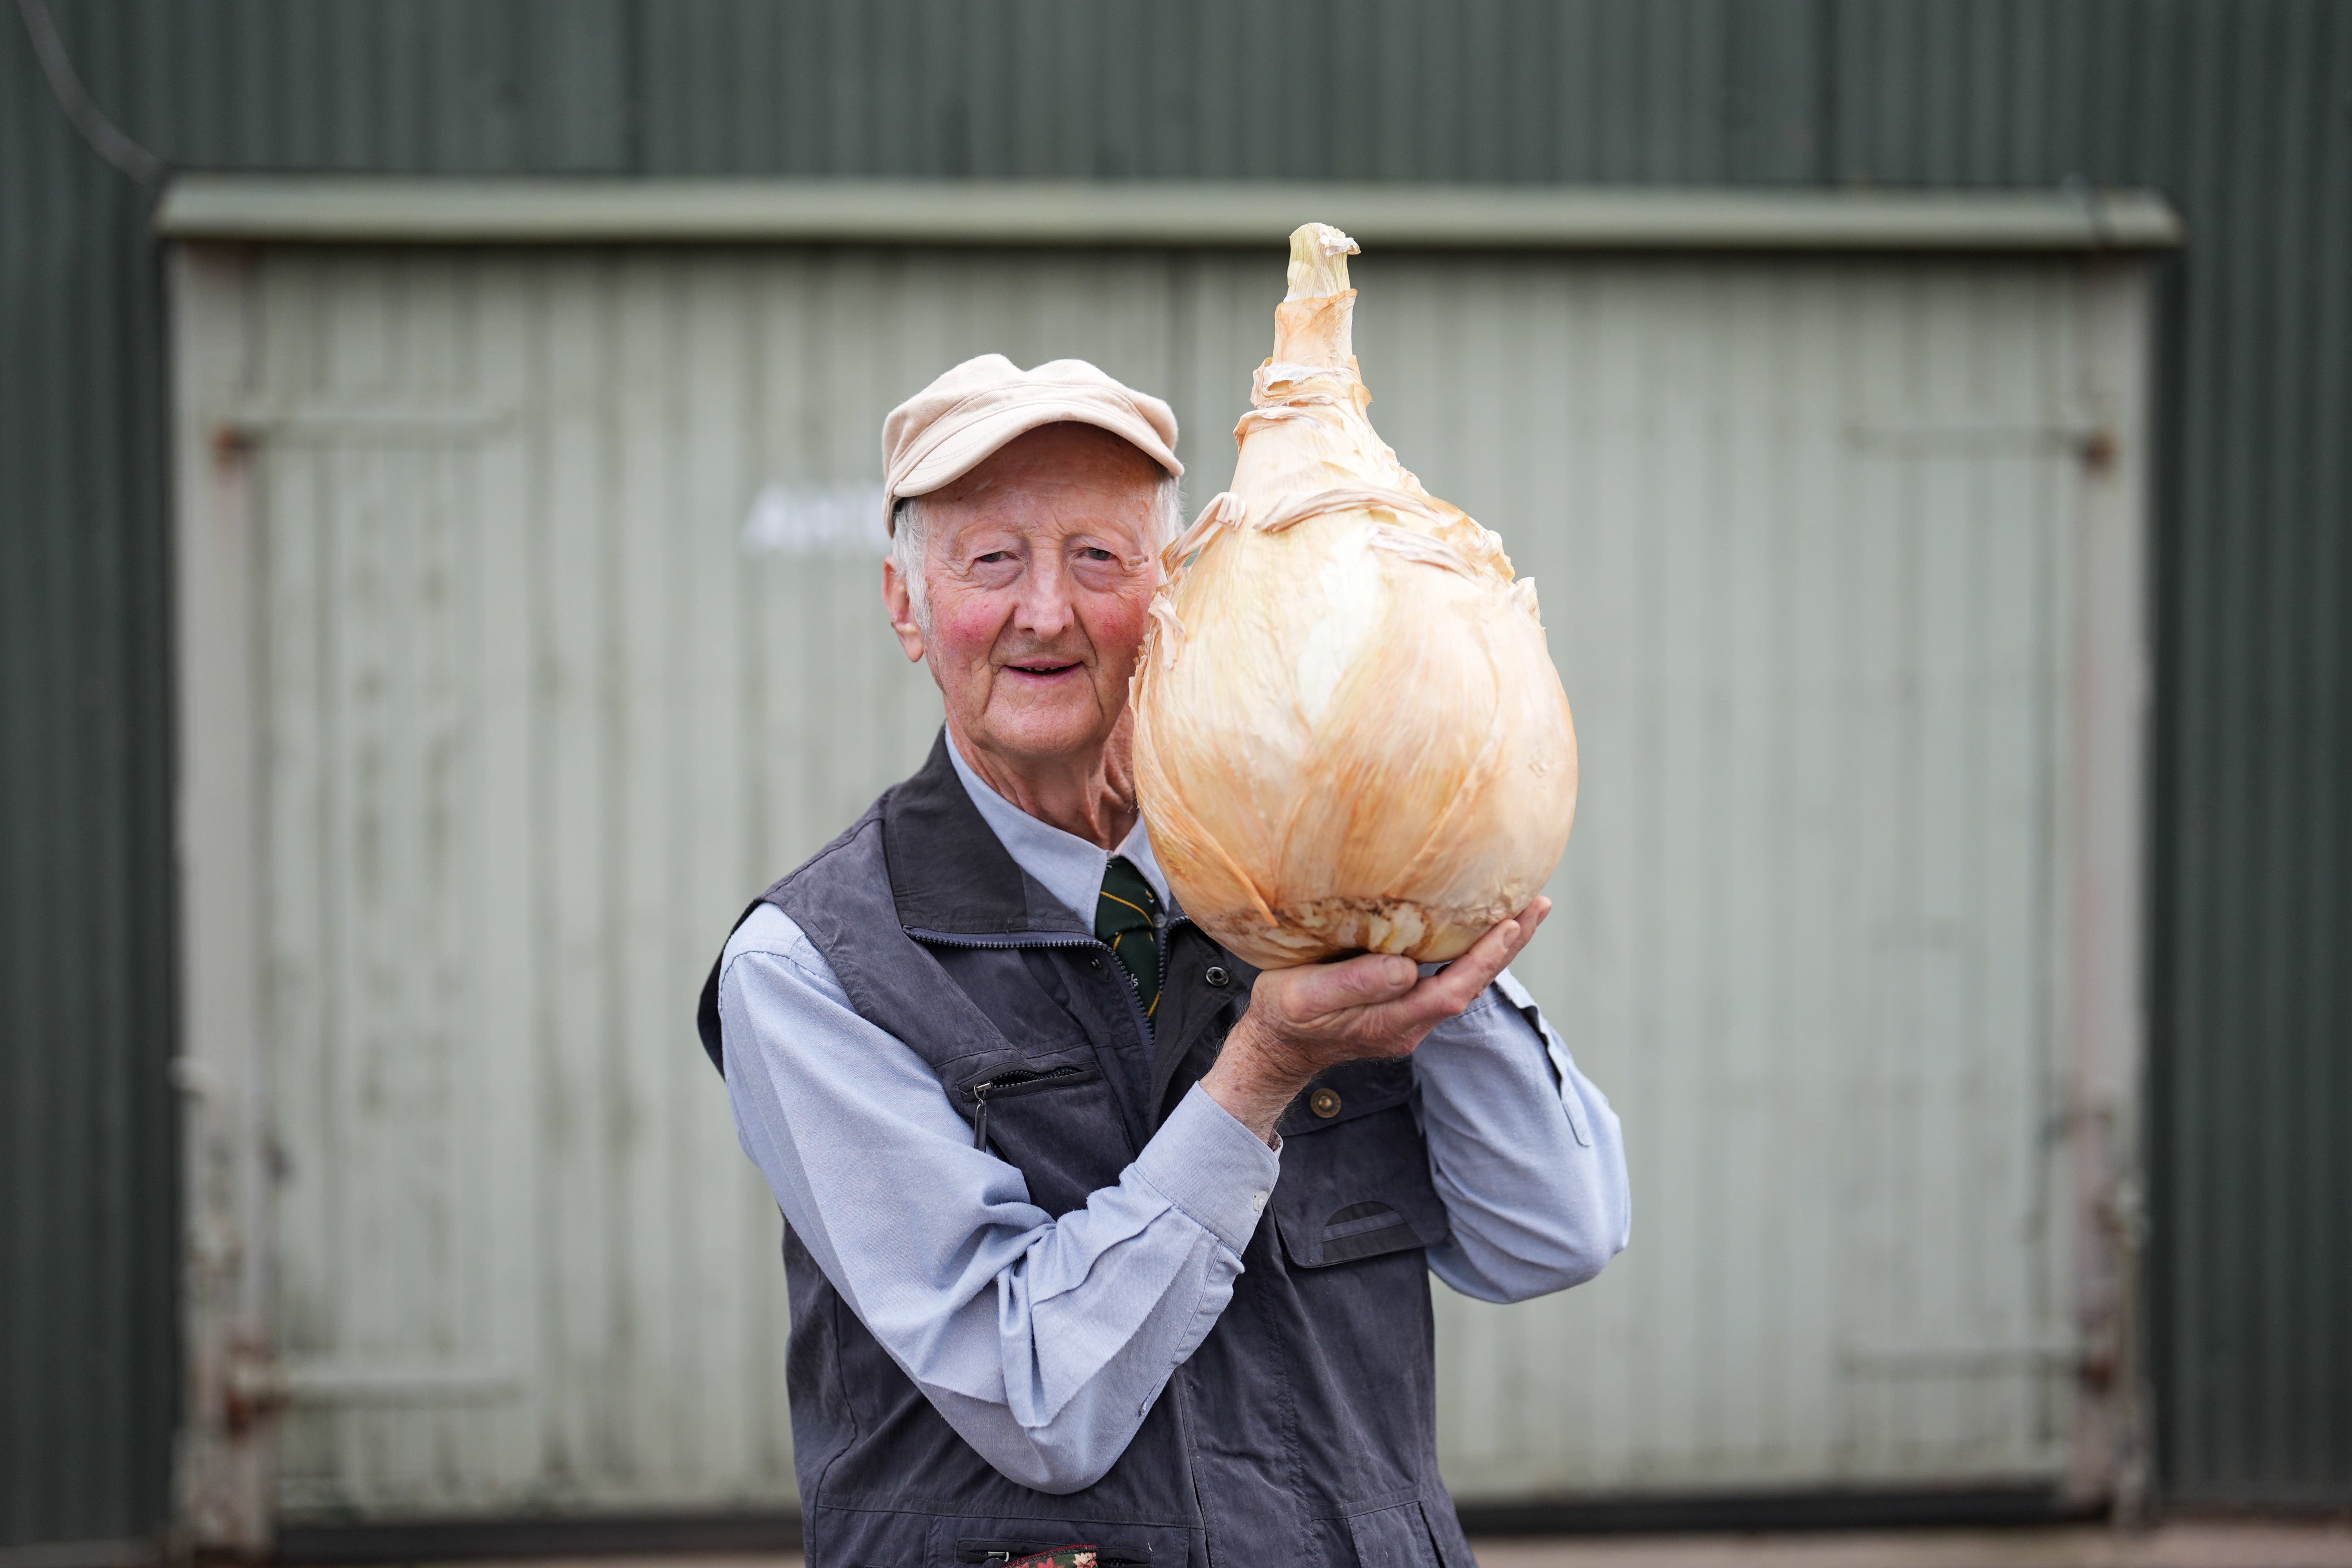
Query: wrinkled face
[[1039, 569]]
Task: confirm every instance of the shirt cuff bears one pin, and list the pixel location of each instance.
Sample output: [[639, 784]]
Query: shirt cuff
[[1211, 1166]]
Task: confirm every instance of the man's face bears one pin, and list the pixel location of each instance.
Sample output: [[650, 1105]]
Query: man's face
[[1040, 567]]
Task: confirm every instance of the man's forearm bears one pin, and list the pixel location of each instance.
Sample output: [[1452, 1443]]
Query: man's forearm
[[1256, 1077]]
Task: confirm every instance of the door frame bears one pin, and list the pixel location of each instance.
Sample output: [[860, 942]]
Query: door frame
[[234, 1383]]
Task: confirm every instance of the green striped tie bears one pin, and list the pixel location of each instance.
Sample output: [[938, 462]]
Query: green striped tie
[[1123, 916]]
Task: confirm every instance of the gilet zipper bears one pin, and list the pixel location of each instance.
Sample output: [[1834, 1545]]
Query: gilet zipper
[[979, 1132]]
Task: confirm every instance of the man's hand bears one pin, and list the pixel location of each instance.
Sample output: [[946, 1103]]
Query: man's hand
[[1304, 1021]]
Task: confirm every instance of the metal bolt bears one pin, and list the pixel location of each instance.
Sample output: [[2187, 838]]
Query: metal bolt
[[1323, 1103]]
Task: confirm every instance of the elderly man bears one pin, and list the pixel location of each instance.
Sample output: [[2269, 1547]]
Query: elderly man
[[1096, 1236]]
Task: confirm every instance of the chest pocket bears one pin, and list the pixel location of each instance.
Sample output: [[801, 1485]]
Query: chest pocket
[[1051, 1114], [1355, 1172]]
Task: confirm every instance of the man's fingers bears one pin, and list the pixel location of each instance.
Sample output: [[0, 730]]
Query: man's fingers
[[1527, 919], [1386, 994], [1446, 995], [1494, 952], [1505, 941], [1365, 980], [1443, 996]]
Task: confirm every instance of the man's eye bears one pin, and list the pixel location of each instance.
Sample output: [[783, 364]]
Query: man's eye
[[1096, 552], [994, 556]]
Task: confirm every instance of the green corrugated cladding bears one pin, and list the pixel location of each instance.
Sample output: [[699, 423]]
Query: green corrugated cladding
[[2241, 111], [88, 1184]]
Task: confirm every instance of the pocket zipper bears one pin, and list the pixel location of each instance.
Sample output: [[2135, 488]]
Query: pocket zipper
[[1019, 1078]]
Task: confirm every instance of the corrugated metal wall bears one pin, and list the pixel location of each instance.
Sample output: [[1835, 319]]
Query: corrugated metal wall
[[2241, 111], [87, 1145]]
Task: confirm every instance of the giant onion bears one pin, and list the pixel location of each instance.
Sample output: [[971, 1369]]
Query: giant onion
[[1348, 733]]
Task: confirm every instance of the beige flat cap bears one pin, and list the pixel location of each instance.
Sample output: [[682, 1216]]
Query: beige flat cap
[[946, 430]]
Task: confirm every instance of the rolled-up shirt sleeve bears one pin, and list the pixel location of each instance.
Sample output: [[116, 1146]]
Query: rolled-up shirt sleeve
[[1042, 1341], [1525, 1151]]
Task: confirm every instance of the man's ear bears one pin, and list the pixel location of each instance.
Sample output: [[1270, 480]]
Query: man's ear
[[901, 608]]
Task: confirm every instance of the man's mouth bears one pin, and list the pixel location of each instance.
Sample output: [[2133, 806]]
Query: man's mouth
[[1041, 670]]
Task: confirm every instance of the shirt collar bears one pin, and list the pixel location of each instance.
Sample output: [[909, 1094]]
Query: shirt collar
[[1065, 864]]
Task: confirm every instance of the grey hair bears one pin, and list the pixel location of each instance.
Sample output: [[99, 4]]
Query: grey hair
[[907, 539]]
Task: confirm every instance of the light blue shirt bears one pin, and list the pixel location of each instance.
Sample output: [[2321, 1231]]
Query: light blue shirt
[[1043, 1342]]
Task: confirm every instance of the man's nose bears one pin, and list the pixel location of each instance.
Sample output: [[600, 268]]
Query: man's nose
[[1044, 611]]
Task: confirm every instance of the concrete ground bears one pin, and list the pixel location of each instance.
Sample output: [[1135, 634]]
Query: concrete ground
[[2180, 1545]]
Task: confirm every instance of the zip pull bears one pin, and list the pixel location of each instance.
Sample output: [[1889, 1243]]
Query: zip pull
[[1012, 1082]]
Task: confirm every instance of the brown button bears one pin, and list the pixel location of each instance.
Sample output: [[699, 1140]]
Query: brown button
[[1323, 1103]]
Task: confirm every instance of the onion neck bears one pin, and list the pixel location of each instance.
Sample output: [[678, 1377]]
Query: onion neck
[[1316, 332], [1314, 323]]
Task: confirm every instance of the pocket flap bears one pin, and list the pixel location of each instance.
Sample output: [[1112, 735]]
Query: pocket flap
[[1350, 1091], [1356, 1183]]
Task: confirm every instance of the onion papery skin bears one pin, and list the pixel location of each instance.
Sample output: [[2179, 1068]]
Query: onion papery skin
[[1349, 735]]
